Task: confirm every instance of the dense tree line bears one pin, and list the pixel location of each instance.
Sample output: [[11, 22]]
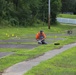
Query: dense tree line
[[69, 6], [27, 12]]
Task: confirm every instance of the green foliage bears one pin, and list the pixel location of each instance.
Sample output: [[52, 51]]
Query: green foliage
[[55, 9], [19, 12], [74, 8], [26, 12], [68, 6]]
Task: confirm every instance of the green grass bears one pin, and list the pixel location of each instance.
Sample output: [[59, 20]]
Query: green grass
[[22, 54], [62, 64], [6, 33], [67, 16], [25, 54]]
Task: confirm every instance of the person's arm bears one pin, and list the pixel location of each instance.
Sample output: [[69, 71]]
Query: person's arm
[[37, 36]]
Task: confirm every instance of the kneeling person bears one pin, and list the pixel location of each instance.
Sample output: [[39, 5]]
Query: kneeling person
[[40, 37]]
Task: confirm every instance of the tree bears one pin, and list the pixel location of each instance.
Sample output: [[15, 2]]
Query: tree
[[25, 12], [43, 10], [74, 7], [19, 12], [2, 8], [68, 6], [55, 9]]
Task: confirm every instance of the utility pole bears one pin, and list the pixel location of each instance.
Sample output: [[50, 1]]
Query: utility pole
[[48, 14]]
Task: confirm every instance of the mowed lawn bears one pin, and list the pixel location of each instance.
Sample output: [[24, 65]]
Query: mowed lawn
[[25, 54], [6, 33], [67, 16], [62, 64]]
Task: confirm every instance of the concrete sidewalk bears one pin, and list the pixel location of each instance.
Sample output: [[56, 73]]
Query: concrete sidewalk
[[23, 67]]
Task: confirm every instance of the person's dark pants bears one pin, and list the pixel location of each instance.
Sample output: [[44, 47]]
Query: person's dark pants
[[43, 42]]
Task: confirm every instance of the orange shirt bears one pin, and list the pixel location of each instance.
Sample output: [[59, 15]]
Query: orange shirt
[[38, 35]]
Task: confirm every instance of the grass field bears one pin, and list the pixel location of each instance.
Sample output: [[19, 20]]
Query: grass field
[[25, 54], [67, 16], [62, 64], [6, 33]]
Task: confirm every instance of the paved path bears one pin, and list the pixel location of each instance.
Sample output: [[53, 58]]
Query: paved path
[[23, 67]]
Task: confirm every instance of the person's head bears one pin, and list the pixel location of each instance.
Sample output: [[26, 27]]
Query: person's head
[[41, 31]]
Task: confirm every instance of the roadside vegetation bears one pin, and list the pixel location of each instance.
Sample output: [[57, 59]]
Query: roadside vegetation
[[26, 13], [67, 16], [26, 54]]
